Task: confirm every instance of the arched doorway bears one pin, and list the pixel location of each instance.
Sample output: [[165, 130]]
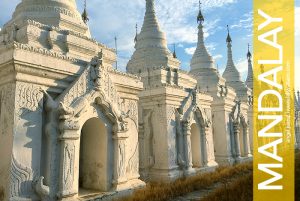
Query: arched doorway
[[93, 162], [196, 146]]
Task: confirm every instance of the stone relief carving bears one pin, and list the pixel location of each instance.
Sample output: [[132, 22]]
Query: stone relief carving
[[179, 131], [29, 98], [121, 161], [69, 154], [236, 113], [43, 8], [42, 190], [186, 124], [21, 180], [96, 70], [250, 100], [94, 78], [132, 109], [170, 113], [92, 86], [76, 90], [0, 104], [64, 32], [191, 107], [133, 161], [185, 115], [123, 124], [223, 90], [43, 51], [65, 112], [7, 108], [148, 136], [160, 113]]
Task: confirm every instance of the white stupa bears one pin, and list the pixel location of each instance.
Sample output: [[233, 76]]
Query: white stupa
[[151, 45], [58, 13]]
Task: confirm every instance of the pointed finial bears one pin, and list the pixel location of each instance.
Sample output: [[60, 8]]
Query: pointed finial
[[84, 15], [200, 18], [249, 55], [174, 52], [136, 32], [228, 39]]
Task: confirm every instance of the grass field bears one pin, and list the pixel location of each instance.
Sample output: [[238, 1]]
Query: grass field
[[231, 190], [164, 192], [297, 177], [241, 189]]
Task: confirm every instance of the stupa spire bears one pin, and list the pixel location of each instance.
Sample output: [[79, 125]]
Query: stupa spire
[[84, 15], [150, 19], [249, 80], [201, 58], [200, 17], [231, 74], [136, 33], [174, 51], [228, 39], [151, 48], [151, 34]]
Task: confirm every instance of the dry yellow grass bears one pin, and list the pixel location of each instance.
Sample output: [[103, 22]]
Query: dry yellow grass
[[297, 176], [241, 189], [238, 190], [167, 191]]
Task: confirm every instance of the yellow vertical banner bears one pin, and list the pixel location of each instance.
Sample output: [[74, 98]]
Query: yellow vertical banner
[[273, 100]]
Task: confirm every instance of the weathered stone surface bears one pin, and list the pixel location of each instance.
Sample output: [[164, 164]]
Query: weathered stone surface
[[68, 120]]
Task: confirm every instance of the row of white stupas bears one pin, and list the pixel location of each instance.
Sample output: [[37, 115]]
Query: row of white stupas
[[72, 127]]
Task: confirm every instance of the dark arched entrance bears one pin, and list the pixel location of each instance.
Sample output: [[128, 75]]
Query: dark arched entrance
[[93, 162]]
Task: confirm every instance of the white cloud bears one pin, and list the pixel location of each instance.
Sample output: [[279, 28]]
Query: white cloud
[[190, 50], [218, 56], [246, 22], [118, 18], [211, 47], [242, 66]]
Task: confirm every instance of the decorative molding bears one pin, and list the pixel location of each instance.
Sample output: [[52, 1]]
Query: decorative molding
[[43, 51], [115, 71], [21, 180], [56, 9], [64, 32], [29, 98]]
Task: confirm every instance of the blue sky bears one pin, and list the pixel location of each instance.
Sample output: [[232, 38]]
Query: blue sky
[[110, 18]]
